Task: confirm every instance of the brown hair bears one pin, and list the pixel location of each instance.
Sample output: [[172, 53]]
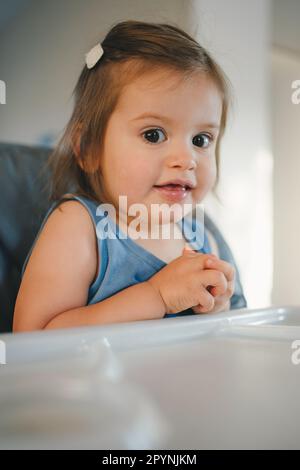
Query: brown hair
[[131, 48]]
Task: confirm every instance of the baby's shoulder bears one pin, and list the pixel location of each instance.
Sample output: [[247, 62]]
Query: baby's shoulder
[[72, 212], [71, 207], [71, 224], [74, 218]]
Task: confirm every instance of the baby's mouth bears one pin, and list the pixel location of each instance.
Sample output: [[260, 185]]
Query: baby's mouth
[[177, 184], [174, 187], [172, 192]]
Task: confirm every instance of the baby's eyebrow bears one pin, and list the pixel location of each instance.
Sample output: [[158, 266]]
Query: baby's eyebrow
[[211, 125]]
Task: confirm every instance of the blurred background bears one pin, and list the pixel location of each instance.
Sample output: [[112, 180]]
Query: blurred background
[[42, 47]]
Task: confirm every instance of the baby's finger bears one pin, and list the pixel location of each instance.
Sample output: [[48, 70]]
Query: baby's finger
[[188, 248], [226, 268], [205, 301], [198, 258], [188, 251], [214, 280], [222, 304], [230, 288], [227, 294]]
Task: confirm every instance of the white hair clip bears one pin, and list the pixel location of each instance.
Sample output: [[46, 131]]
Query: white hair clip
[[92, 57]]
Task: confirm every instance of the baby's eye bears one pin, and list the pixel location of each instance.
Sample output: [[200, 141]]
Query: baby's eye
[[202, 140], [152, 135]]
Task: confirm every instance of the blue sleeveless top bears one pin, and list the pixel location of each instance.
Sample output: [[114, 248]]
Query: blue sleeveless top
[[123, 262]]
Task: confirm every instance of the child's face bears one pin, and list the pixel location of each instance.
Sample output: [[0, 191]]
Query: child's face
[[182, 147]]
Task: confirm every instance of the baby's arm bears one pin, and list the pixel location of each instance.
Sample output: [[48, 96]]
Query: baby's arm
[[138, 302], [54, 289]]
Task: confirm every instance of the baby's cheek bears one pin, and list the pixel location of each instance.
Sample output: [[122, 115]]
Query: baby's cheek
[[202, 190], [205, 182]]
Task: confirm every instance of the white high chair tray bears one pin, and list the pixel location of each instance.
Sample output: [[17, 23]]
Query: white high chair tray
[[219, 381]]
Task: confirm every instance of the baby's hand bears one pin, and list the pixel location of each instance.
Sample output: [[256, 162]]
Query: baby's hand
[[221, 294], [185, 282]]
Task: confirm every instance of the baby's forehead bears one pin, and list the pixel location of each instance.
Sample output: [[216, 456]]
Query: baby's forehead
[[164, 91], [162, 80]]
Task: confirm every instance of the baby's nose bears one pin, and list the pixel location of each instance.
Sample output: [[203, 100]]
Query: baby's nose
[[182, 158]]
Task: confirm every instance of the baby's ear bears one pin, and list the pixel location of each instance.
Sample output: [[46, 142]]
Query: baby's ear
[[86, 163], [76, 139]]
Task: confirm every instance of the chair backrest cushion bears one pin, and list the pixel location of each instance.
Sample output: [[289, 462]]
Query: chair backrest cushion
[[23, 203]]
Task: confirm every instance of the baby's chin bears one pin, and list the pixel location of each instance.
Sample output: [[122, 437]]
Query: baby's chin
[[164, 217], [155, 210]]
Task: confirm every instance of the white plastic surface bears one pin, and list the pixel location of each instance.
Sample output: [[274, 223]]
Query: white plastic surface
[[220, 381]]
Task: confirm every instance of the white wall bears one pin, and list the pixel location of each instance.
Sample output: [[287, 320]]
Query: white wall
[[286, 131], [238, 33], [41, 55]]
